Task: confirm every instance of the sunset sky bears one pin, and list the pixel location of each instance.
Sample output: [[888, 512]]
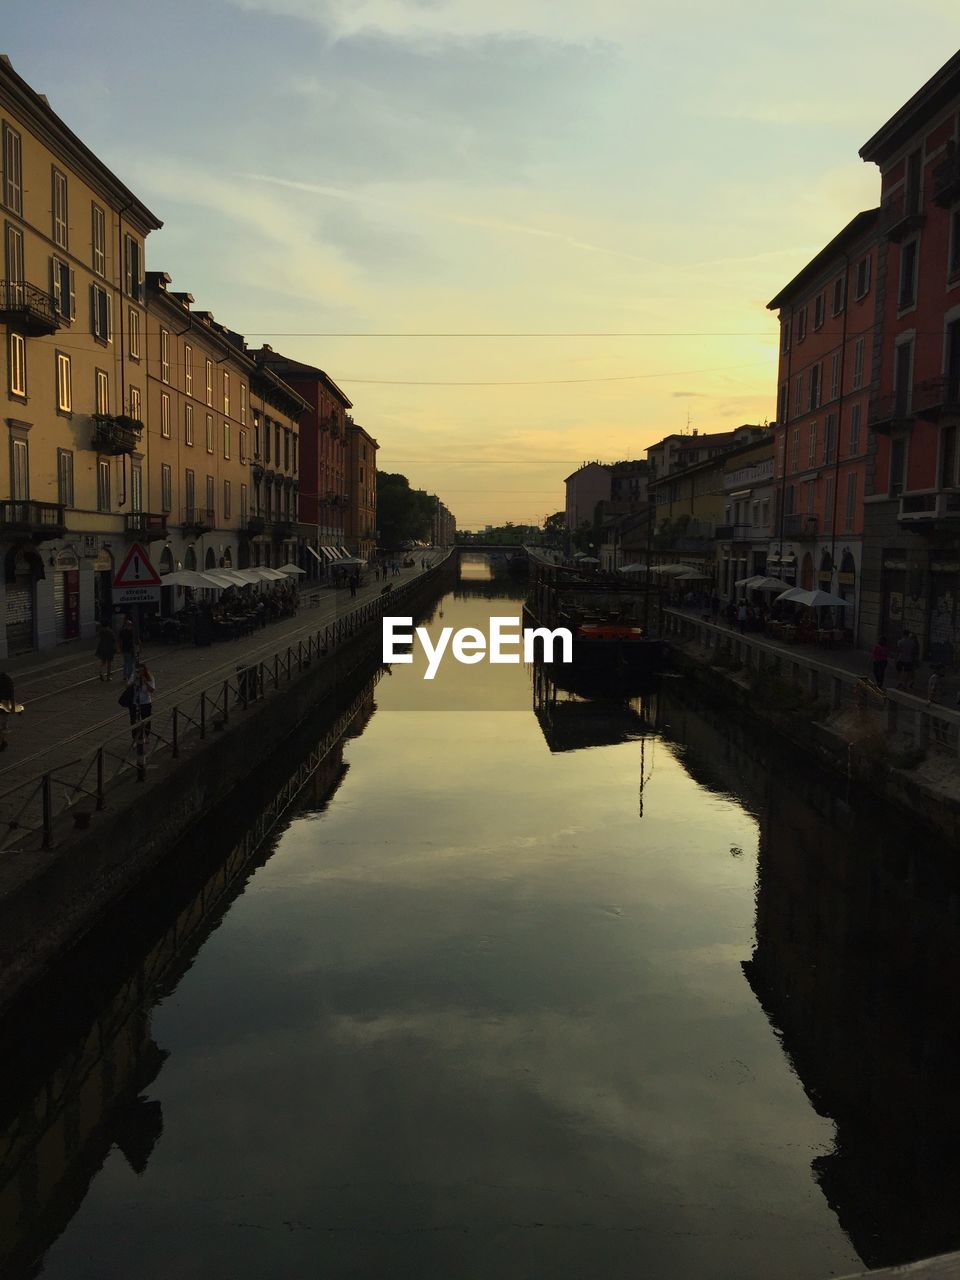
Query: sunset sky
[[333, 168]]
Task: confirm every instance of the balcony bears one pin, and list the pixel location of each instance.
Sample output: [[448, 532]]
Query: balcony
[[38, 520], [902, 213], [255, 525], [116, 435], [197, 520], [735, 533], [281, 528], [800, 527], [144, 526], [891, 411], [936, 396], [946, 181], [924, 510], [27, 309]]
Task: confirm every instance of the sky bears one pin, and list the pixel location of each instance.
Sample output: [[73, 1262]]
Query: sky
[[548, 172]]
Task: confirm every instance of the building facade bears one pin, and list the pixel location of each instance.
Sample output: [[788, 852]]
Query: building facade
[[827, 319], [912, 510], [444, 532], [748, 508], [585, 487], [274, 532], [362, 491], [71, 312]]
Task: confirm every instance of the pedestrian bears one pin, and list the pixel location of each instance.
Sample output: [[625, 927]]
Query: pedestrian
[[9, 707], [908, 651], [742, 616], [142, 687], [933, 684], [106, 649], [354, 583], [128, 647], [879, 658]]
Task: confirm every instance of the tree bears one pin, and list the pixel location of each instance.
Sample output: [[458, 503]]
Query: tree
[[403, 514], [554, 525]]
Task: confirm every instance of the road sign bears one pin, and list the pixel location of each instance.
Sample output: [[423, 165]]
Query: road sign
[[136, 595], [136, 570]]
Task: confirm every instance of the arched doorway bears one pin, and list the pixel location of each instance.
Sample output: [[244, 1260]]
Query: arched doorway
[[190, 558], [825, 576], [226, 560], [806, 572], [210, 562], [66, 595], [166, 560]]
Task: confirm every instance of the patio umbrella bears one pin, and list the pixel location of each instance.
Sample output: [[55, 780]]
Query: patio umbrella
[[632, 568], [693, 576], [671, 569], [270, 575], [190, 578], [291, 569], [588, 560], [222, 578], [812, 599], [760, 583]]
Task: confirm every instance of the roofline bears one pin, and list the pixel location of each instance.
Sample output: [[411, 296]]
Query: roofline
[[304, 370], [855, 230], [158, 293], [607, 466], [926, 102], [717, 459], [42, 116]]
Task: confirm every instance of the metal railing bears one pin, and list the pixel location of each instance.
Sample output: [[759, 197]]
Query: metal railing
[[27, 516], [28, 305], [31, 810]]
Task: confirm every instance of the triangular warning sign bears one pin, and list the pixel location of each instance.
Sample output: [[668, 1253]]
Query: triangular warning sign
[[136, 570]]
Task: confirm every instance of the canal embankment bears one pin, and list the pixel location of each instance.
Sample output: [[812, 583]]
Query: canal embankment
[[891, 742], [80, 834]]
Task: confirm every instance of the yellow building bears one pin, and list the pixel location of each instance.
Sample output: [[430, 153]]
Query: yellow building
[[361, 528], [199, 435], [72, 333]]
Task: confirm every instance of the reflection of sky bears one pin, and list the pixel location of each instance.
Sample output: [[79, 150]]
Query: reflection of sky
[[477, 1018]]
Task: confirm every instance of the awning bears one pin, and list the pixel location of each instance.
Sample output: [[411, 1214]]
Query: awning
[[314, 554], [328, 552], [781, 559]]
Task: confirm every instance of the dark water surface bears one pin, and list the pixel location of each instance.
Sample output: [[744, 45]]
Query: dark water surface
[[489, 1009]]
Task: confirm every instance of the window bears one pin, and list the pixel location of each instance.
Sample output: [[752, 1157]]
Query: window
[[862, 286], [816, 374], [210, 492], [243, 403], [830, 438], [64, 384], [135, 406], [99, 241], [812, 446], [164, 355], [277, 443], [898, 459], [165, 414], [850, 511], [911, 191], [188, 424], [948, 457], [226, 499], [12, 171], [19, 470], [14, 248], [795, 450], [953, 259], [828, 490], [243, 446], [296, 453], [18, 364], [65, 477], [908, 275], [286, 450], [134, 330], [854, 430], [785, 335], [839, 294], [60, 220], [64, 292], [188, 370], [835, 375], [209, 433], [103, 485], [133, 268], [903, 378], [256, 435], [209, 372], [226, 440], [801, 324], [818, 311], [858, 365], [267, 435], [243, 504], [166, 487], [226, 393], [136, 488], [100, 313], [101, 390], [190, 491]]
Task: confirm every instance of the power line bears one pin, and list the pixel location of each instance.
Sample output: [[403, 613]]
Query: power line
[[545, 382], [724, 333]]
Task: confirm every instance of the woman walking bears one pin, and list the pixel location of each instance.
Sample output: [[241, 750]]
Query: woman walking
[[142, 687], [106, 649]]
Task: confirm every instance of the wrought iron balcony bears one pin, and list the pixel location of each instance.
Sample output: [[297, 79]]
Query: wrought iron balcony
[[946, 181], [27, 309], [902, 212], [800, 527], [116, 434], [147, 526], [928, 509], [37, 519], [936, 396], [890, 411], [735, 533], [197, 520]]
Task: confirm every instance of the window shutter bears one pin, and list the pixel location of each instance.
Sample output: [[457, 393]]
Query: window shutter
[[94, 312], [55, 283], [73, 294]]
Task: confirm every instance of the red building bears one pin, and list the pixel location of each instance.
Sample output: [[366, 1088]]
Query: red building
[[324, 492], [912, 536], [827, 320]]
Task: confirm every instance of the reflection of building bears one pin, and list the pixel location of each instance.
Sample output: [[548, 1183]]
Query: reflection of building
[[827, 315], [71, 321]]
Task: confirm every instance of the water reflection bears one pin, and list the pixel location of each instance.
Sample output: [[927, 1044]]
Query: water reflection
[[465, 1014]]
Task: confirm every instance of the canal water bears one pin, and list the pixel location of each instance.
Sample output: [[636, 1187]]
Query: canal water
[[522, 985]]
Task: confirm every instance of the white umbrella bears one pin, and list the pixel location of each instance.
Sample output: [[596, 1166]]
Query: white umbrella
[[270, 575], [759, 583], [189, 578], [589, 560], [812, 599], [693, 576], [221, 578], [632, 568], [671, 568], [291, 569]]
